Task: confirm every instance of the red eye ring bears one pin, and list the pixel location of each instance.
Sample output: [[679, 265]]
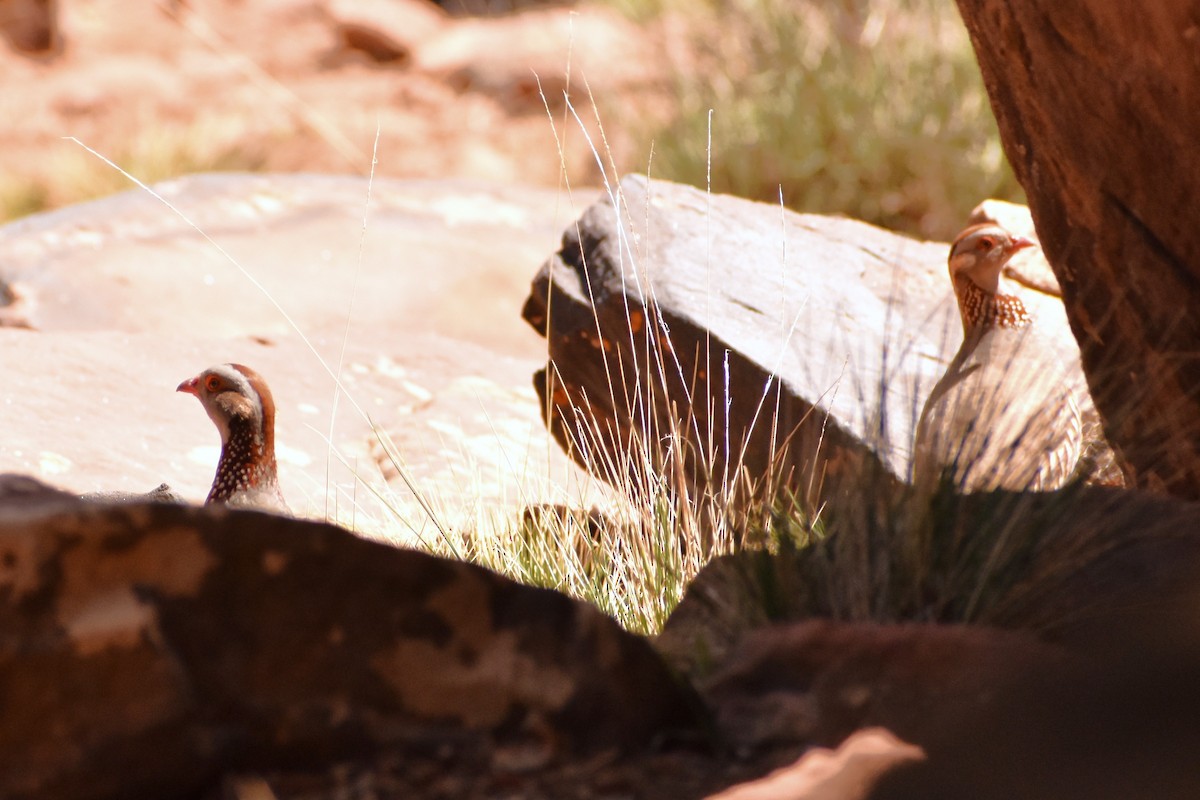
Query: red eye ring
[[212, 383], [987, 243]]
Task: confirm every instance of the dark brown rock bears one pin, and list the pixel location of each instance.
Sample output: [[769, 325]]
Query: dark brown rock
[[996, 714], [149, 647], [386, 31], [1121, 723], [819, 681], [1097, 114], [30, 26], [374, 45], [1055, 564], [1105, 710], [1085, 693], [494, 7]]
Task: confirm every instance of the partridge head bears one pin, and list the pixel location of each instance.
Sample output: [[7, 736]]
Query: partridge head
[[239, 403], [977, 259]]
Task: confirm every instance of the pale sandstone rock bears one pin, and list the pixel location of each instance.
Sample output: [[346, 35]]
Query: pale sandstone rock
[[123, 299]]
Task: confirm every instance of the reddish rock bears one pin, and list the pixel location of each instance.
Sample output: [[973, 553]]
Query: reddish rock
[[536, 57], [30, 26], [1097, 115], [194, 85], [819, 681], [149, 648], [387, 31]]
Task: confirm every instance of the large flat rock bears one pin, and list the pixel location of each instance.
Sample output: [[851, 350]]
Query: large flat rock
[[123, 298]]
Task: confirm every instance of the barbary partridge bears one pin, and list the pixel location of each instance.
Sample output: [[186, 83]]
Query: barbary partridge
[[240, 405], [1005, 415]]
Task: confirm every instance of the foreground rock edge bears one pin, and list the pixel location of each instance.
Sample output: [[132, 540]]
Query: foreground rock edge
[[154, 645]]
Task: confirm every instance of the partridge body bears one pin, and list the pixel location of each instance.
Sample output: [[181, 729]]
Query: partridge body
[[240, 404], [1005, 415]]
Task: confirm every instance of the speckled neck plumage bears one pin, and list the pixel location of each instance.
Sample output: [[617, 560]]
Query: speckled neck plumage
[[982, 309], [245, 464]]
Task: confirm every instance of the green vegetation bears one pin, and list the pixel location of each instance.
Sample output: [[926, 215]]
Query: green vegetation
[[631, 558], [870, 108], [20, 196]]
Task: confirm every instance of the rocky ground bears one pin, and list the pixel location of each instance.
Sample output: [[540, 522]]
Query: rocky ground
[[311, 86]]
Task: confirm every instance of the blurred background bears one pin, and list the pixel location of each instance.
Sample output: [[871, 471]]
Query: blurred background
[[869, 108]]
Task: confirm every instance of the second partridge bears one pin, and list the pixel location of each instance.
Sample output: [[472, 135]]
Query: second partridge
[[241, 406], [1005, 415]]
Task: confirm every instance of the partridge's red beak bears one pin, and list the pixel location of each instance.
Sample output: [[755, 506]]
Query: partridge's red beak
[[191, 386], [1021, 243]]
